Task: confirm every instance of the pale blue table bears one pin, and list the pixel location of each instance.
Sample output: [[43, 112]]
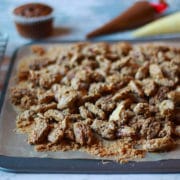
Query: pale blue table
[[79, 17]]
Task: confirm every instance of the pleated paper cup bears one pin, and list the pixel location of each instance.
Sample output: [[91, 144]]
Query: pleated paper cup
[[34, 27]]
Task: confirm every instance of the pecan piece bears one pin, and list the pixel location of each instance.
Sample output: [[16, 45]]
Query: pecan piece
[[54, 114], [135, 87], [166, 107], [159, 144], [40, 131], [95, 110], [83, 133], [106, 129], [57, 134]]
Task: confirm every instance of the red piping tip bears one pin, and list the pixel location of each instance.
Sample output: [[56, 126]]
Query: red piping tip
[[159, 7]]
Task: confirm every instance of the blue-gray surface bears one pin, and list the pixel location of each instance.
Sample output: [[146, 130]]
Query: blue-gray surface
[[76, 18]]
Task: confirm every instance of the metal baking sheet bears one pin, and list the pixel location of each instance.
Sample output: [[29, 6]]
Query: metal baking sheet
[[78, 165]]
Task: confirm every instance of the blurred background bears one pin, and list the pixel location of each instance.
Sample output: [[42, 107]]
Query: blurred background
[[73, 19]]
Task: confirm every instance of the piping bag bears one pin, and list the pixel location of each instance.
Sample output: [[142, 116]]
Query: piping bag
[[165, 25], [138, 14]]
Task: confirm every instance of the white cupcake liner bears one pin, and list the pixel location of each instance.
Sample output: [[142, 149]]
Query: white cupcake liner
[[30, 20]]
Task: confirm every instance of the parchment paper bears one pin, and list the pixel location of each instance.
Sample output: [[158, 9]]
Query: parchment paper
[[15, 145]]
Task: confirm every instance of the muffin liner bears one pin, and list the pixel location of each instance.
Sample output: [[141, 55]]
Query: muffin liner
[[30, 20], [34, 27]]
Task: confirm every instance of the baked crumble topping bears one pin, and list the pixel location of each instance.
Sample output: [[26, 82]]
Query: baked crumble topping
[[117, 101]]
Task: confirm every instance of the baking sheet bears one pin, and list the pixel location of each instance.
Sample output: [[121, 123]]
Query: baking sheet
[[15, 145]]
